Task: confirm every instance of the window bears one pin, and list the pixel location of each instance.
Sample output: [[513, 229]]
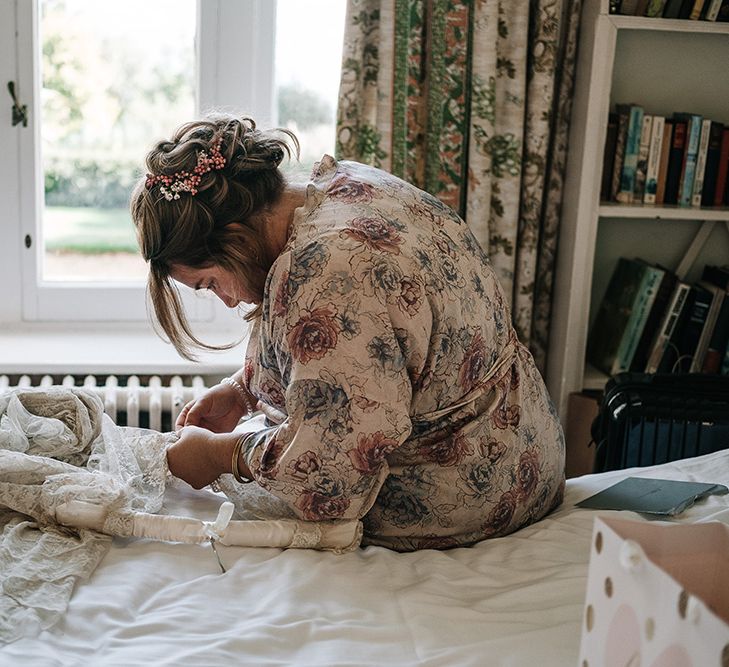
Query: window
[[102, 81], [309, 38], [110, 83]]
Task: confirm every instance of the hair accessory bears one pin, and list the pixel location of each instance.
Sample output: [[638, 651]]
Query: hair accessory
[[234, 463], [187, 181]]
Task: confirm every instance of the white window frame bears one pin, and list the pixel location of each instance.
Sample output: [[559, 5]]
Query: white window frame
[[235, 51]]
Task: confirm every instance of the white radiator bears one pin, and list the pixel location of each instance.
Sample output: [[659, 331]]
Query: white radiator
[[149, 402]]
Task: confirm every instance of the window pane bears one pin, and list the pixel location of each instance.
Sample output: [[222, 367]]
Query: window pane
[[309, 39], [116, 76]]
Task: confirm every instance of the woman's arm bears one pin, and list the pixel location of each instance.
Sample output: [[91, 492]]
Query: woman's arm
[[200, 456], [220, 408], [347, 396]]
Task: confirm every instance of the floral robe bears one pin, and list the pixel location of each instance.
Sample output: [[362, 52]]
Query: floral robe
[[405, 398]]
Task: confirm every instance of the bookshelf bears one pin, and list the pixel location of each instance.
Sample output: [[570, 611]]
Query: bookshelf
[[666, 66]]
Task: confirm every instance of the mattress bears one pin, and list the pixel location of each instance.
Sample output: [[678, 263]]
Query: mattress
[[516, 600]]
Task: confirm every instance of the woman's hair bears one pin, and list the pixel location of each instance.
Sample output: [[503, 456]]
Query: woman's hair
[[219, 222]]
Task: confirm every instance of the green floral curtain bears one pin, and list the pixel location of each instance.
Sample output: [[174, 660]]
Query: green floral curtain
[[470, 100]]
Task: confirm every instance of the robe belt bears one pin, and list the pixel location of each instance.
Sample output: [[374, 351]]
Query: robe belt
[[501, 367]]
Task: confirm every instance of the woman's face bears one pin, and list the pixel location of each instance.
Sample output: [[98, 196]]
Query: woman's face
[[214, 278]]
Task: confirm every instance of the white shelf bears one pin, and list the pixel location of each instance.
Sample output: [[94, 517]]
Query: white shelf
[[668, 25], [649, 212], [664, 64]]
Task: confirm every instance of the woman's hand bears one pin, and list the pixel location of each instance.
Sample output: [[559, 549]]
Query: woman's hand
[[199, 457], [219, 410]]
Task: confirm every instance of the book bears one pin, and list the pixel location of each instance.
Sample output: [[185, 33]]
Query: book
[[673, 9], [682, 346], [717, 300], [686, 8], [698, 186], [663, 164], [716, 275], [654, 159], [719, 342], [647, 292], [722, 171], [711, 171], [643, 153], [641, 7], [630, 158], [628, 7], [647, 495], [655, 8], [608, 161], [650, 330], [695, 14], [690, 154], [623, 112], [614, 314], [675, 161], [667, 326], [723, 14], [712, 10]]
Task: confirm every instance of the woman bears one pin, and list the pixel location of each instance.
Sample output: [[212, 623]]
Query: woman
[[382, 350]]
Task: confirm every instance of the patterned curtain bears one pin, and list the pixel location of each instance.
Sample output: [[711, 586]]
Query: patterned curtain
[[470, 100]]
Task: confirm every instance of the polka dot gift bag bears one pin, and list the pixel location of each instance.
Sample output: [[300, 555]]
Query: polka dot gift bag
[[657, 595]]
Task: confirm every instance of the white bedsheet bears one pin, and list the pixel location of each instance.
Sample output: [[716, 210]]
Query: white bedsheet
[[515, 600]]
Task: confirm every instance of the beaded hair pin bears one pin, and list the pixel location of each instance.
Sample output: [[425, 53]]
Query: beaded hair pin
[[187, 181]]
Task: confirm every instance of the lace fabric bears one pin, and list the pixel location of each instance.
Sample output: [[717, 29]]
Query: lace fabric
[[57, 445], [61, 456]]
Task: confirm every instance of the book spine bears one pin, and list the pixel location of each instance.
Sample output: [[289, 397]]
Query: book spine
[[655, 8], [668, 326], [713, 11], [686, 7], [623, 112], [628, 7], [641, 309], [686, 182], [717, 299], [612, 317], [719, 339], [696, 10], [650, 331], [698, 186], [663, 164], [711, 171], [716, 275], [688, 335], [723, 14], [608, 162], [673, 9], [723, 170], [641, 168], [675, 161], [630, 159], [654, 159]]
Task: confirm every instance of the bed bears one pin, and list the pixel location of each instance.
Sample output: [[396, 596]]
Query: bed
[[516, 600]]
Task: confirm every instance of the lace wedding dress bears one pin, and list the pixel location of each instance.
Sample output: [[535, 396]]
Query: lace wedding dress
[[70, 479]]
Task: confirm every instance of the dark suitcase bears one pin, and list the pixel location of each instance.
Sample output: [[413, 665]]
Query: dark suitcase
[[646, 419]]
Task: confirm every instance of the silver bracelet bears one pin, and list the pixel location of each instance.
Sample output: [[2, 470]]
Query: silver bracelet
[[241, 392]]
